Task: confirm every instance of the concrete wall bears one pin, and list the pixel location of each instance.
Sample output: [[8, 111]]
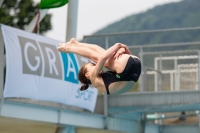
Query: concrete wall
[[180, 129], [152, 128], [127, 126], [90, 130]]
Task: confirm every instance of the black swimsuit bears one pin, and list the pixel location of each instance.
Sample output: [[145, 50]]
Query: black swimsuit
[[131, 73]]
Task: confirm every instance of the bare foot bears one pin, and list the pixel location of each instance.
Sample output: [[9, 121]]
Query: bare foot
[[63, 47], [73, 41]]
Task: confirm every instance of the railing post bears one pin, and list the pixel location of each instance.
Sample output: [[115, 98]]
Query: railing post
[[106, 96], [160, 74], [156, 74], [141, 80], [145, 79], [177, 80], [198, 70]]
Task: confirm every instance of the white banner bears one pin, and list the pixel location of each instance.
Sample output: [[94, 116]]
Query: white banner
[[36, 70]]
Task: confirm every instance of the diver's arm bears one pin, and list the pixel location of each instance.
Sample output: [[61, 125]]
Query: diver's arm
[[109, 52], [122, 50]]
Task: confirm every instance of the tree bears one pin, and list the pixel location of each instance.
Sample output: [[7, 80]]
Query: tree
[[19, 13]]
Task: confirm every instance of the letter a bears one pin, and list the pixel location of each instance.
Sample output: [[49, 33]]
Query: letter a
[[71, 67]]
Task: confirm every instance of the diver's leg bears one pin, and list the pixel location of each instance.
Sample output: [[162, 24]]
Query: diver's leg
[[82, 51], [91, 51], [93, 47]]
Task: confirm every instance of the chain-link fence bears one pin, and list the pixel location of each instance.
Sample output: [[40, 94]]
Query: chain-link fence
[[170, 58]]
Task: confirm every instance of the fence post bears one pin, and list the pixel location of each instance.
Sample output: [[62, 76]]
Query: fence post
[[105, 97], [141, 80], [160, 74], [156, 74], [198, 70], [177, 80]]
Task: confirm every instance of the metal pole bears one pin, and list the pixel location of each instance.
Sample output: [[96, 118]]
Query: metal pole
[[141, 80], [32, 24], [106, 42], [199, 70], [198, 119], [106, 96], [84, 39], [71, 19], [176, 75], [160, 74], [146, 31], [156, 75], [143, 123], [160, 86], [1, 64], [1, 2], [144, 79], [171, 81]]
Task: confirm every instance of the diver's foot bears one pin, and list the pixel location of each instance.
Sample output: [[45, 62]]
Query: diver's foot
[[73, 41], [63, 47]]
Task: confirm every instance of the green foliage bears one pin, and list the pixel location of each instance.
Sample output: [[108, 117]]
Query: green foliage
[[19, 13]]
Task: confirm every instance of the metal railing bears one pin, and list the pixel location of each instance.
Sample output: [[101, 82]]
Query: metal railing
[[158, 72]]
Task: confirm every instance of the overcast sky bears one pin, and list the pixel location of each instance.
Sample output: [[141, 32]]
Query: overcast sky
[[96, 14]]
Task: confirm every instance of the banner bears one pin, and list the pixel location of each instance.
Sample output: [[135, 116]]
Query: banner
[[36, 70]]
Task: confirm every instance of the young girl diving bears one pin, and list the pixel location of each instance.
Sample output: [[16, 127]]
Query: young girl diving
[[124, 68]]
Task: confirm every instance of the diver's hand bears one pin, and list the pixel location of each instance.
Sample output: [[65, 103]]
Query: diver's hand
[[122, 50], [119, 53], [127, 51]]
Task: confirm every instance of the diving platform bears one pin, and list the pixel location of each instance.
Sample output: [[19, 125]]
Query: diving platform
[[126, 109]]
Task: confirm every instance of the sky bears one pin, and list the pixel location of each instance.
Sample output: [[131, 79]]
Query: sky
[[94, 15]]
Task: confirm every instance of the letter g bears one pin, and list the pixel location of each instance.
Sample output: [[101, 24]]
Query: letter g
[[37, 58]]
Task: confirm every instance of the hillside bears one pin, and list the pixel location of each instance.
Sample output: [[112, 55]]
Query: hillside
[[185, 13], [173, 15]]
